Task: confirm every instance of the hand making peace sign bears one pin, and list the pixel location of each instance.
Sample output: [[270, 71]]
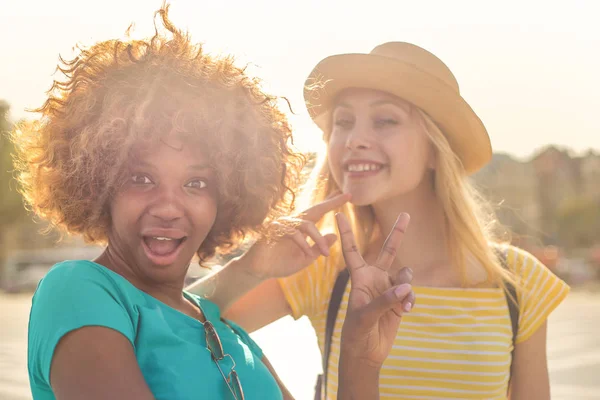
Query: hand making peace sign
[[377, 300]]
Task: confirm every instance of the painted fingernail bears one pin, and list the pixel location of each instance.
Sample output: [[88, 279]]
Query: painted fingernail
[[408, 307]]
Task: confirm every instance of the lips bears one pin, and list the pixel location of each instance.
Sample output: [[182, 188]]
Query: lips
[[162, 246]]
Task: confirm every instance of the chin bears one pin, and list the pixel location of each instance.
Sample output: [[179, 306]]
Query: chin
[[362, 199]]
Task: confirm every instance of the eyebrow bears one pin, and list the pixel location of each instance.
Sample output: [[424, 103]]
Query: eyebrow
[[377, 103]]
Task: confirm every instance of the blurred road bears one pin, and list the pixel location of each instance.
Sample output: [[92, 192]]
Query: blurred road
[[573, 349]]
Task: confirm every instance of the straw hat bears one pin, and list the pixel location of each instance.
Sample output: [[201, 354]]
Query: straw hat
[[413, 74]]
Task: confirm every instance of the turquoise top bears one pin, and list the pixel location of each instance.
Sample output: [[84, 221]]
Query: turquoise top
[[170, 346]]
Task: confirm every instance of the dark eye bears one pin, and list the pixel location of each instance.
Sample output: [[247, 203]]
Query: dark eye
[[140, 180], [197, 184]]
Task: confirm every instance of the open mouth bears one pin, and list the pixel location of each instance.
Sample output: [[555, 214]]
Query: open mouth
[[162, 246]]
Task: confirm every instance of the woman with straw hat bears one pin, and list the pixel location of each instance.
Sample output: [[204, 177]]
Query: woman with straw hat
[[401, 139]]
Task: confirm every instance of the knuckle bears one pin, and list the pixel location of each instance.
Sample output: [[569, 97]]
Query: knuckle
[[390, 250]]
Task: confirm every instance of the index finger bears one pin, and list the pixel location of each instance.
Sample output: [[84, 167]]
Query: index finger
[[317, 211], [349, 248], [392, 242]]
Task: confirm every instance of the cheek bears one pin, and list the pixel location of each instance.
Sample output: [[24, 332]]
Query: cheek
[[335, 153], [123, 208], [204, 214]]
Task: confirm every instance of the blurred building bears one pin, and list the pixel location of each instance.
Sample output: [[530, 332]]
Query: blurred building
[[535, 196]]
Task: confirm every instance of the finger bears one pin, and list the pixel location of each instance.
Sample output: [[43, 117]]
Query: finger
[[349, 248], [301, 242], [409, 302], [335, 192], [405, 275], [392, 242], [330, 239], [309, 229], [389, 300], [317, 211]]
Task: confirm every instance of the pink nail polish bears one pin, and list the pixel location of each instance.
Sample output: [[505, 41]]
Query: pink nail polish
[[408, 307]]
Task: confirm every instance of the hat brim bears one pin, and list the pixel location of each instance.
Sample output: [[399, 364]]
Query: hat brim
[[464, 130]]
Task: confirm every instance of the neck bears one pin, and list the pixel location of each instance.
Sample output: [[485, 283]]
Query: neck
[[425, 241], [170, 293]]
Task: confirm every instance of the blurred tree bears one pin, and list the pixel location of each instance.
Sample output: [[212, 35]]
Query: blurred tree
[[578, 223], [11, 203]]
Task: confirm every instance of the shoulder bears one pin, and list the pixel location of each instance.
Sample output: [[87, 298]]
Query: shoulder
[[539, 289], [73, 295], [75, 270], [73, 278], [518, 260], [524, 264]]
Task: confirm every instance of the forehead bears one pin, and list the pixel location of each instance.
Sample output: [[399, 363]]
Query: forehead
[[359, 97], [167, 146]]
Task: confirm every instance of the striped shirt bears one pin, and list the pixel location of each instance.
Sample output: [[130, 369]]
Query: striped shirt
[[455, 344]]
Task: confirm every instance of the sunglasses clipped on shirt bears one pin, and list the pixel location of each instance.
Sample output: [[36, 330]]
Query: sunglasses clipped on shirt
[[213, 344]]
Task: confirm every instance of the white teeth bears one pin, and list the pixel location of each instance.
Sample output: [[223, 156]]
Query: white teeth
[[363, 167], [161, 238]]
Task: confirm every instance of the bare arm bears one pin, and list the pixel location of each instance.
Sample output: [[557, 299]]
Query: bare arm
[[261, 306], [96, 363], [226, 286], [256, 269], [530, 369]]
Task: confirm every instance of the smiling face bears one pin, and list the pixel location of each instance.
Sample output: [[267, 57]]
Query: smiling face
[[377, 148], [164, 212]]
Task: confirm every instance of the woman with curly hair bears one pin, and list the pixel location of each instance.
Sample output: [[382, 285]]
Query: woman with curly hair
[[161, 153]]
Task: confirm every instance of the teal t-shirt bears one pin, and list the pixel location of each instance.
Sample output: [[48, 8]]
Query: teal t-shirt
[[170, 346]]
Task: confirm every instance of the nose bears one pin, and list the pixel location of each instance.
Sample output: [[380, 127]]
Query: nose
[[358, 140], [167, 205]]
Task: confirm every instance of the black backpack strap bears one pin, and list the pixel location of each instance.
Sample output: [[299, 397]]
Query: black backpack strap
[[513, 306], [332, 311]]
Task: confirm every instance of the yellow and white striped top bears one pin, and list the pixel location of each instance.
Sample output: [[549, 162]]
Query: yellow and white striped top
[[455, 344]]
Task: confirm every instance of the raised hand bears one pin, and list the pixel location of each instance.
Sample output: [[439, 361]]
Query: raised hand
[[292, 253], [377, 299]]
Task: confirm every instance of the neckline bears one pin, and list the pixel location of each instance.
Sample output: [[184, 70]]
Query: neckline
[[187, 295], [458, 291]]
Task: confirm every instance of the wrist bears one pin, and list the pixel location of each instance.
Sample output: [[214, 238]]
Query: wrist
[[358, 378], [243, 265], [355, 365]]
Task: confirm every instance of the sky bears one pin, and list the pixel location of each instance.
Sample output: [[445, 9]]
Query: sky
[[529, 68]]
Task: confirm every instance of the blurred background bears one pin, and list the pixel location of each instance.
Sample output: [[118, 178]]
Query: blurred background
[[528, 68]]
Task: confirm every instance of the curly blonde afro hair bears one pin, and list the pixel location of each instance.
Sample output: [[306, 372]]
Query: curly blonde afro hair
[[119, 96]]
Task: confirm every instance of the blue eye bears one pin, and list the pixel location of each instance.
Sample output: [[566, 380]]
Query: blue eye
[[140, 180], [343, 123], [197, 184], [384, 122]]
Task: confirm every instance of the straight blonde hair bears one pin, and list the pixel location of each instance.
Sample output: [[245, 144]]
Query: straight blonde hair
[[472, 227]]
